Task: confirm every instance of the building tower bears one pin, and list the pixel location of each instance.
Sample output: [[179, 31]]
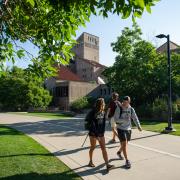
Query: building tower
[[87, 47]]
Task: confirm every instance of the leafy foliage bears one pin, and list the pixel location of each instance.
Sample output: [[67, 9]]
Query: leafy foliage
[[51, 24], [80, 104], [19, 92], [139, 71]]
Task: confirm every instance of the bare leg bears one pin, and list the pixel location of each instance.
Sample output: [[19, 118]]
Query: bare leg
[[120, 149], [103, 149], [124, 149], [92, 147], [104, 153], [114, 133]]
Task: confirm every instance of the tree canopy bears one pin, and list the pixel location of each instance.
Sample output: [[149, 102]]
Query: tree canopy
[[139, 71], [51, 26], [18, 91]]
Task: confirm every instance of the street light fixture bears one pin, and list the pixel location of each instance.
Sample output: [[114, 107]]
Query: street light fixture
[[170, 127]]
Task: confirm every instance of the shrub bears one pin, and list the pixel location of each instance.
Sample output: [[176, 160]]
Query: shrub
[[145, 111], [176, 110], [80, 104], [160, 109]]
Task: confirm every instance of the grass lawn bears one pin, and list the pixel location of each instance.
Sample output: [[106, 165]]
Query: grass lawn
[[22, 158], [159, 126], [48, 115]]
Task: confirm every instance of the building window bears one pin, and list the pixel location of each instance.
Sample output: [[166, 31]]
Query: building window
[[84, 76], [61, 91], [95, 42], [104, 91]]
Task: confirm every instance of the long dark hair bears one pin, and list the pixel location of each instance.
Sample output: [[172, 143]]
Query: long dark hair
[[99, 105]]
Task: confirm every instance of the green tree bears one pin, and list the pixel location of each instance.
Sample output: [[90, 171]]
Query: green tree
[[51, 25], [139, 71], [18, 91], [175, 58]]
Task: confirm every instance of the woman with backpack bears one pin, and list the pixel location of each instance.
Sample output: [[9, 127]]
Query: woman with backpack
[[96, 126]]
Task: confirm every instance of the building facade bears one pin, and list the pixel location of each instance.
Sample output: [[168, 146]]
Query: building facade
[[87, 47], [82, 77], [173, 48]]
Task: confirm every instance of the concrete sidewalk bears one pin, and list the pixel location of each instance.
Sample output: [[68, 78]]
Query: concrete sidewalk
[[153, 155]]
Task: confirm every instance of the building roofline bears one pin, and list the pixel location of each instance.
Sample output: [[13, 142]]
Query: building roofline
[[65, 73], [59, 81], [88, 34], [166, 43], [92, 62]]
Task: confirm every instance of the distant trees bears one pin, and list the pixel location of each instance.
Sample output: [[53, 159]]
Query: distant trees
[[139, 71], [19, 92]]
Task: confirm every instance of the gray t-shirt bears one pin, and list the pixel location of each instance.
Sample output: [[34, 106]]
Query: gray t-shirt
[[124, 121]]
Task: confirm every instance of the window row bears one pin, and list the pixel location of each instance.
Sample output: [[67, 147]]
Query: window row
[[92, 40]]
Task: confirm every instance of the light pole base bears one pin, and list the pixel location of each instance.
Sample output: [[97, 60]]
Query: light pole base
[[169, 129]]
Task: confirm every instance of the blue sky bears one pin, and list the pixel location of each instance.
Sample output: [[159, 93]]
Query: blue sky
[[163, 19]]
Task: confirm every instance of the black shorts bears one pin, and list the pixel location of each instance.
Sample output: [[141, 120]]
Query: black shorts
[[96, 134], [124, 135]]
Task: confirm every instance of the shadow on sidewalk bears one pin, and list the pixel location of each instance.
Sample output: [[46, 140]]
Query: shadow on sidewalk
[[100, 169], [144, 137], [133, 139], [68, 152], [56, 128]]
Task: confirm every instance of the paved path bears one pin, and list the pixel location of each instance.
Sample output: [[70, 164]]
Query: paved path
[[154, 156]]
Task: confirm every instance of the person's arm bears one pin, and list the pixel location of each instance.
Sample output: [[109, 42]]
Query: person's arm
[[107, 113], [118, 103], [135, 119]]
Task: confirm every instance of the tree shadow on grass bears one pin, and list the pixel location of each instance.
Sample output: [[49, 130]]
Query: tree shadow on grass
[[28, 154], [67, 175], [8, 131]]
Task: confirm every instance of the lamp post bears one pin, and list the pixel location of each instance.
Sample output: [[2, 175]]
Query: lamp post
[[170, 127]]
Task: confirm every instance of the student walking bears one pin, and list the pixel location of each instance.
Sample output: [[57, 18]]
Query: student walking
[[123, 116], [96, 120], [110, 115]]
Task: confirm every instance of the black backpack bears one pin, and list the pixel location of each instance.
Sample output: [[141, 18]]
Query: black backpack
[[121, 110], [88, 120]]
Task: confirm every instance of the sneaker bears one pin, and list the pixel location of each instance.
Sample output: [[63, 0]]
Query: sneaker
[[128, 164], [112, 141], [109, 167], [120, 156], [91, 164]]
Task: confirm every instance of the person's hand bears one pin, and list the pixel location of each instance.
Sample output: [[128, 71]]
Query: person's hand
[[119, 104], [139, 128]]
